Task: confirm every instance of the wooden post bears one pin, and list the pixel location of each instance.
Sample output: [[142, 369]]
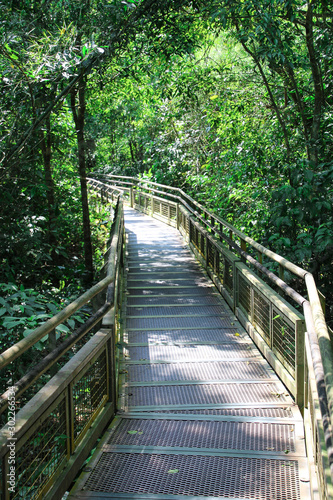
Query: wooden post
[[281, 272], [52, 344], [299, 364], [322, 299], [243, 247], [231, 237], [221, 231], [260, 257]]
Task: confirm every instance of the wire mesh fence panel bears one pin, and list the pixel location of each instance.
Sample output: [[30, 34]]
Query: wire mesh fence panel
[[42, 455], [89, 394]]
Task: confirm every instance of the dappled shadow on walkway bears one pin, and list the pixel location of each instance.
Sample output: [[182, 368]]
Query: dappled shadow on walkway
[[201, 413]]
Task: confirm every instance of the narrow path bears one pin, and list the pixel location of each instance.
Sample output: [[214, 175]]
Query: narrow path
[[202, 413]]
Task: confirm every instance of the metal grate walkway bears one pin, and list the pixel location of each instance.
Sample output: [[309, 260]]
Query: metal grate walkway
[[202, 414]]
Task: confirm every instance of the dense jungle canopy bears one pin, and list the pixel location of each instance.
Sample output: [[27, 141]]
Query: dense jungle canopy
[[231, 100]]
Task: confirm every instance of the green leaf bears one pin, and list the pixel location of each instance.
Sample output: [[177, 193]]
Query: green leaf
[[3, 310], [173, 471], [62, 328], [71, 323], [27, 331]]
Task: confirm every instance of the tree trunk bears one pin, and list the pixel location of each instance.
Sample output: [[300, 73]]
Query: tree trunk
[[46, 147], [79, 116], [318, 88]]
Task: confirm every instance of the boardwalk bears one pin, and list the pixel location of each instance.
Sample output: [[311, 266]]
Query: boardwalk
[[201, 413]]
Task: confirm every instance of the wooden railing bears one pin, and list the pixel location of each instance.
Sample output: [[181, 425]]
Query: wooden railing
[[44, 444], [289, 328]]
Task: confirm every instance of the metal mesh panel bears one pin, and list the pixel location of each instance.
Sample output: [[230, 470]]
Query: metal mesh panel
[[173, 212], [186, 336], [284, 340], [165, 210], [211, 254], [168, 274], [189, 352], [196, 371], [175, 322], [261, 316], [89, 394], [235, 412], [205, 394], [256, 479], [39, 458], [203, 244], [228, 275], [188, 300], [156, 207], [176, 311], [244, 295], [255, 436], [184, 223], [174, 282], [162, 291], [220, 266], [151, 257], [161, 268]]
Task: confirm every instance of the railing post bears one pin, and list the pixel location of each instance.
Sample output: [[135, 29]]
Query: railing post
[[207, 252], [221, 231], [177, 216], [322, 299], [299, 364], [243, 247], [71, 416], [52, 341], [131, 196], [231, 237], [259, 256]]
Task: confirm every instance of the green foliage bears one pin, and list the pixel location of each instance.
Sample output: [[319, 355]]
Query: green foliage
[[22, 310], [226, 99]]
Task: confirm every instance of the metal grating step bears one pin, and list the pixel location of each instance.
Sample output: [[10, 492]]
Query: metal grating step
[[254, 436], [176, 322], [158, 252], [269, 412], [163, 291], [191, 300], [168, 282], [186, 336], [227, 477], [207, 394], [159, 267], [184, 352], [160, 260], [182, 310], [171, 274], [197, 371]]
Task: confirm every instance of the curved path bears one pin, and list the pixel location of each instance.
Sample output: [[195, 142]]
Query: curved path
[[201, 413]]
